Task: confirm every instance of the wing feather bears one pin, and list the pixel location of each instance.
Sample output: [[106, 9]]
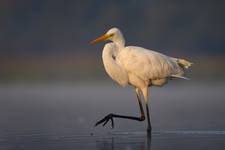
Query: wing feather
[[148, 64]]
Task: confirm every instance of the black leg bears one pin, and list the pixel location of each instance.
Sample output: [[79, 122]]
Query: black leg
[[110, 116], [145, 94], [149, 129], [140, 104]]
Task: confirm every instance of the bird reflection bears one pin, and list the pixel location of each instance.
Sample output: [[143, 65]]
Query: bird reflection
[[127, 143]]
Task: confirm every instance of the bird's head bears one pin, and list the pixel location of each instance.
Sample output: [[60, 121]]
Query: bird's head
[[112, 34]]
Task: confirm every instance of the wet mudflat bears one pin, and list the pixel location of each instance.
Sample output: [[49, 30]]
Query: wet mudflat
[[62, 116]]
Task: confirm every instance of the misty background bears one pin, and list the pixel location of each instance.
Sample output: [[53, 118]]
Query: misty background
[[48, 40]]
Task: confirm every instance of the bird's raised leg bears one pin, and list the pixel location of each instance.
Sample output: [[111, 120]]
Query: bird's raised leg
[[110, 116], [145, 94]]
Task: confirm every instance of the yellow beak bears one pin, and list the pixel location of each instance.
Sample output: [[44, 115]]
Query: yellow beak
[[101, 38]]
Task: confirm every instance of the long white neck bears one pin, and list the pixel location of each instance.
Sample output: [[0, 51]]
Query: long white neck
[[120, 43], [115, 71], [119, 40]]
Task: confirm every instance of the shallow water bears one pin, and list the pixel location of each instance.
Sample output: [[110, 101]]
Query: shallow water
[[170, 140], [62, 116]]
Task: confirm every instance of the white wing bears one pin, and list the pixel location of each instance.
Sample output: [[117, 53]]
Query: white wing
[[147, 64]]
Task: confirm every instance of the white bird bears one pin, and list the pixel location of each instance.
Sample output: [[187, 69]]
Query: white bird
[[138, 67]]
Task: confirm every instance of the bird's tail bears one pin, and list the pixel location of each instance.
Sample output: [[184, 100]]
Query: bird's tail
[[184, 63], [180, 77]]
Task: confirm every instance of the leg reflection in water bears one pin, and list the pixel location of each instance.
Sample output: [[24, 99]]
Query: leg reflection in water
[[125, 143]]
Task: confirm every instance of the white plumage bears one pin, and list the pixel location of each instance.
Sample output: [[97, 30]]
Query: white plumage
[[138, 66]]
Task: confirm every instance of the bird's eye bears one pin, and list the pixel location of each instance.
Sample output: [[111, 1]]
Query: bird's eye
[[111, 34]]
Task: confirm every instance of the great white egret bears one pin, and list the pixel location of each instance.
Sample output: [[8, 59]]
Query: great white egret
[[138, 67]]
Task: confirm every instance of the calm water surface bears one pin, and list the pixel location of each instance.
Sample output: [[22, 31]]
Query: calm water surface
[[61, 116]]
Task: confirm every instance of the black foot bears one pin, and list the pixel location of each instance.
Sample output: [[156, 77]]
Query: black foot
[[105, 120]]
